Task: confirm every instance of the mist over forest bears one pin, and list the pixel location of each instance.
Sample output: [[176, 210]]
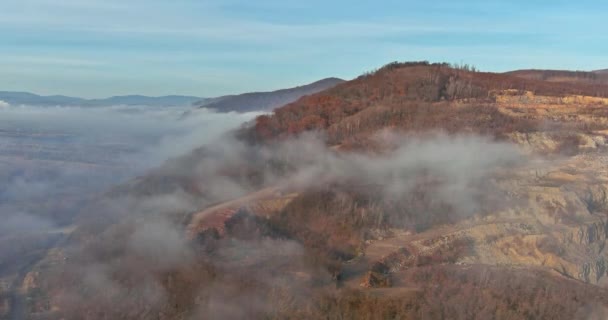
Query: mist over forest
[[416, 190]]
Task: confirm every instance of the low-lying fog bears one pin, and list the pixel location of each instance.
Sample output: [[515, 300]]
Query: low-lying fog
[[52, 159]]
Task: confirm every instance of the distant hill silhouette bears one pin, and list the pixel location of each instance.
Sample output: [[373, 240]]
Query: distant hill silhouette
[[26, 98], [267, 101], [254, 101]]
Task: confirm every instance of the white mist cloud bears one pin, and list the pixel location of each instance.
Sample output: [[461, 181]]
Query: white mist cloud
[[21, 222], [160, 244], [144, 241], [58, 157]]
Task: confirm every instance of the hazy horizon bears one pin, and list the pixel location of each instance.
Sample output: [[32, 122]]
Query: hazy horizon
[[157, 95]]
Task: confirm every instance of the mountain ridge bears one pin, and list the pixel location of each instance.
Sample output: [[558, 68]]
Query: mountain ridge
[[267, 100], [398, 85], [351, 196], [250, 101], [28, 98]]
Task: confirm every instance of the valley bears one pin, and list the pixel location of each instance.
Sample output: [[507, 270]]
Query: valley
[[417, 191]]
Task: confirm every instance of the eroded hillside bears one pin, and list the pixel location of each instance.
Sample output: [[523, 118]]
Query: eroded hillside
[[418, 191]]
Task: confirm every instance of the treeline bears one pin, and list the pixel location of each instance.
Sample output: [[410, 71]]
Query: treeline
[[476, 292], [399, 65], [557, 74]]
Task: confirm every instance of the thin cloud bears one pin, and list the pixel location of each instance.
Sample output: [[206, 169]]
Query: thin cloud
[[54, 61]]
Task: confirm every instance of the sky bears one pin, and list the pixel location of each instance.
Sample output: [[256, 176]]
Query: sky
[[207, 48]]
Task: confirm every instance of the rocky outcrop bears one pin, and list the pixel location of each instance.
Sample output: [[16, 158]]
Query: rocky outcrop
[[592, 233], [375, 280], [593, 271]]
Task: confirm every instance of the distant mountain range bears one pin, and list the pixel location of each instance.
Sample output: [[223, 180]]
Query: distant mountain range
[[256, 101], [26, 98], [266, 101]]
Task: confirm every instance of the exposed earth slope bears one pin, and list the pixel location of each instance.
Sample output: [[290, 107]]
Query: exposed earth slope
[[419, 191]]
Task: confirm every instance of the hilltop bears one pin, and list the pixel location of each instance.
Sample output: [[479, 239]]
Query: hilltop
[[416, 96]]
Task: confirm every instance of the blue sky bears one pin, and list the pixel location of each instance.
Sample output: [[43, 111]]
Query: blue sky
[[97, 48]]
